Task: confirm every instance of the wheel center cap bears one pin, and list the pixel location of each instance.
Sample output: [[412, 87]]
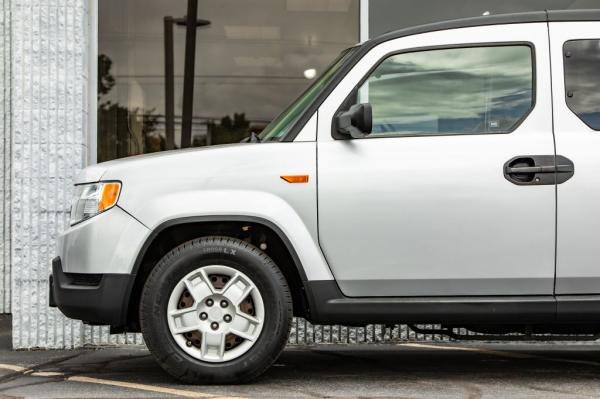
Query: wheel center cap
[[215, 314]]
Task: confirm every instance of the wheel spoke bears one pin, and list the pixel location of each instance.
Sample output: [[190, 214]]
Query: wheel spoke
[[237, 289], [232, 280], [243, 335], [251, 319], [245, 326], [199, 286], [184, 320], [213, 345]]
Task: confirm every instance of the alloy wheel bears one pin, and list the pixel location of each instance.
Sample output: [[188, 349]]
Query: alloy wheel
[[215, 313]]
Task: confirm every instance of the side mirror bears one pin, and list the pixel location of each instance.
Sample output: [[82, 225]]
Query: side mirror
[[357, 122]]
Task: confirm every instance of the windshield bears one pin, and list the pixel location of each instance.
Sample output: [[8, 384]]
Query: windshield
[[278, 129]]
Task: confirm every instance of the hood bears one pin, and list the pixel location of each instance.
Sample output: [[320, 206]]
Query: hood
[[97, 172], [224, 178]]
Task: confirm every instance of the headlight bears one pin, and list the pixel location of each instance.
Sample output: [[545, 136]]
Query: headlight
[[92, 199]]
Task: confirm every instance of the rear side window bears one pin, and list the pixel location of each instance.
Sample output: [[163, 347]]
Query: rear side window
[[448, 91], [582, 80]]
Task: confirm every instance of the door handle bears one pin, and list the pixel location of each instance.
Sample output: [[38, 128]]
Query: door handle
[[538, 170]]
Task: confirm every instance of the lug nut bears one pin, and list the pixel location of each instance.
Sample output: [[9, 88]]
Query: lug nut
[[227, 318], [224, 303], [203, 316], [209, 302], [189, 343], [214, 325]]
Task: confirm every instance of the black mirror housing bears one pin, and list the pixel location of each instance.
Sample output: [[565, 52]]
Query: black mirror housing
[[357, 122]]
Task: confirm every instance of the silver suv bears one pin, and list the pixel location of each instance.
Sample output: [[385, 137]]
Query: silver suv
[[427, 176]]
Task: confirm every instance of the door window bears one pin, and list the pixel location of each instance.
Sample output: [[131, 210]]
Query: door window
[[582, 80], [470, 90]]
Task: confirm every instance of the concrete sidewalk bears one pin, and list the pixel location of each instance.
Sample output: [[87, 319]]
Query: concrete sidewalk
[[412, 370]]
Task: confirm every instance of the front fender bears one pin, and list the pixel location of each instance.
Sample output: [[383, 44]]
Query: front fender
[[214, 205]]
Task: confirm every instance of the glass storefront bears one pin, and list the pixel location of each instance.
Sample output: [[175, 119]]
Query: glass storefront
[[388, 15], [165, 82], [250, 60]]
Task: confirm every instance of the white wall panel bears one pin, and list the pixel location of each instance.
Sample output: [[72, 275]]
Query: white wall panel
[[48, 44], [48, 137], [4, 157]]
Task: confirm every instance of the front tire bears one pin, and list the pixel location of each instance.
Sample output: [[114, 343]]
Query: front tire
[[215, 310]]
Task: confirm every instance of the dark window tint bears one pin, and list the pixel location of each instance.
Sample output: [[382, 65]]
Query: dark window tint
[[450, 91], [582, 80]]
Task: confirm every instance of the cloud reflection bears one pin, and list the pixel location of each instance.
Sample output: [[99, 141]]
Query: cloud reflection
[[467, 90], [583, 81]]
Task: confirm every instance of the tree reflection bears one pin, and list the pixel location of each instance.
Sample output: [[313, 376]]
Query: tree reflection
[[123, 131], [229, 130]]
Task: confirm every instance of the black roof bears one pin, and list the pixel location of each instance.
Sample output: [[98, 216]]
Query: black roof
[[500, 19]]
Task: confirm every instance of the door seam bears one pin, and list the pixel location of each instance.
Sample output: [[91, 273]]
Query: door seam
[[555, 163]]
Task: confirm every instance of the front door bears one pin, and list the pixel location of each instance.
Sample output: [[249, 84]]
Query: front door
[[444, 197]]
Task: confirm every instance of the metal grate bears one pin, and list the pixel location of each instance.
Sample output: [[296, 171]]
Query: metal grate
[[305, 333]]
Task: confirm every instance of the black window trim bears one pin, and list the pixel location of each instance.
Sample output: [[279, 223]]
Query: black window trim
[[338, 136], [565, 81]]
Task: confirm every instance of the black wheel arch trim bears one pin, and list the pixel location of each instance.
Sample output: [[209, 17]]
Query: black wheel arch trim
[[219, 218], [207, 219]]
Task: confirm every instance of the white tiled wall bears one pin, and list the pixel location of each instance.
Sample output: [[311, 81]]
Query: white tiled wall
[[4, 157], [48, 46]]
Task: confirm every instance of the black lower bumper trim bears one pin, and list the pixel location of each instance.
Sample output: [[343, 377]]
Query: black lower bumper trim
[[103, 303]]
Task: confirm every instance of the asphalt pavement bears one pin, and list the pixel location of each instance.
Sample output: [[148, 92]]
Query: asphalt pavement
[[403, 370]]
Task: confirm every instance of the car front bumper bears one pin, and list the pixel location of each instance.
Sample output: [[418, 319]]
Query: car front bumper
[[105, 244], [92, 298], [92, 276]]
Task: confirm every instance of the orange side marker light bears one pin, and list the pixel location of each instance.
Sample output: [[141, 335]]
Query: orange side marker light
[[295, 179], [110, 195]]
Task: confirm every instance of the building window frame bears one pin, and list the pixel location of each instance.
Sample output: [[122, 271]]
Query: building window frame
[[363, 20], [92, 79]]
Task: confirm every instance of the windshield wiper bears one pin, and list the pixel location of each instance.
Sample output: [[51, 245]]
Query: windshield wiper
[[253, 138]]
